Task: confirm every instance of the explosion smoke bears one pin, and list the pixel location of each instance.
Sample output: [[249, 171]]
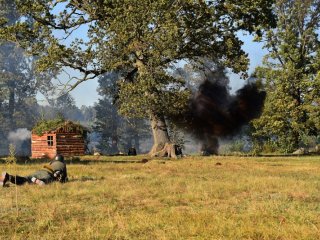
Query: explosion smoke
[[20, 138], [213, 112]]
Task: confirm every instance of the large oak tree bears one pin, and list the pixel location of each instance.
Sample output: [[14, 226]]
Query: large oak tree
[[142, 40]]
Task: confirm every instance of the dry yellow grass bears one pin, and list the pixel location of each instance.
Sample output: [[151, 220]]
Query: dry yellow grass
[[193, 198]]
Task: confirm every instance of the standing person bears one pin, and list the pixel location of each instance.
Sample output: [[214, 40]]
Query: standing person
[[56, 170]]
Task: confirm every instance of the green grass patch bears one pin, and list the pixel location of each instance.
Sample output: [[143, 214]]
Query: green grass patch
[[190, 198]]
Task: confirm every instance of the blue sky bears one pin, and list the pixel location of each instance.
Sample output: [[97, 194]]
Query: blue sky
[[256, 54], [86, 93]]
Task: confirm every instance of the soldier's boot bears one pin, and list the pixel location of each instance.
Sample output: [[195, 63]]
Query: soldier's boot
[[4, 178], [37, 181]]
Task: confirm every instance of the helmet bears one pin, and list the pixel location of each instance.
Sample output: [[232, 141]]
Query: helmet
[[59, 157]]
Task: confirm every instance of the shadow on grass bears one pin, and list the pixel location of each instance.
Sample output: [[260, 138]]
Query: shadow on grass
[[85, 179], [77, 179]]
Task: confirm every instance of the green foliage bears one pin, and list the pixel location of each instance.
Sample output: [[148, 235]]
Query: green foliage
[[11, 159], [153, 93], [47, 125], [176, 136], [140, 39], [54, 124], [108, 125], [237, 146], [18, 82], [290, 76], [309, 141], [116, 132], [66, 106], [269, 147]]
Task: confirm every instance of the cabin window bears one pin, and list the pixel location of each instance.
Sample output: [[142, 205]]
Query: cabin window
[[50, 140]]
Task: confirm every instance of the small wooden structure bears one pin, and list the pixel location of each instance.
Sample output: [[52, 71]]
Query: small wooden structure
[[67, 139]]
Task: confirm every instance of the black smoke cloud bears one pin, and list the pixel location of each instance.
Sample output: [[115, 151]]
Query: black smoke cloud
[[213, 112]]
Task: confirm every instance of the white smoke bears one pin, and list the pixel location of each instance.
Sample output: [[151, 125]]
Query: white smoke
[[20, 138], [20, 134]]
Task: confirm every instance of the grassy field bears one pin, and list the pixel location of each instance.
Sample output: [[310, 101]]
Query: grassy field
[[192, 198]]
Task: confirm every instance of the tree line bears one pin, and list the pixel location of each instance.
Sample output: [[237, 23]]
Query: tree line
[[137, 48]]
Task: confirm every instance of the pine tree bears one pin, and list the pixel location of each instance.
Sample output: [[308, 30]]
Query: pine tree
[[17, 100], [117, 133], [142, 40], [19, 82]]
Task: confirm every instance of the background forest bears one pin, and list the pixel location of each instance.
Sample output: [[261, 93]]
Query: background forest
[[133, 101]]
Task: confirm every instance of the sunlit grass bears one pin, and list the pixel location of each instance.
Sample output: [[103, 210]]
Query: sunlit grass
[[192, 198]]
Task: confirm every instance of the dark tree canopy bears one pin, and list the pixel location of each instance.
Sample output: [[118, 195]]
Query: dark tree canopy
[[127, 35], [140, 39]]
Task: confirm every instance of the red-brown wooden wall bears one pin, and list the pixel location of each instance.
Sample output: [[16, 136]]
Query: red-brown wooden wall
[[40, 148], [67, 144], [70, 144]]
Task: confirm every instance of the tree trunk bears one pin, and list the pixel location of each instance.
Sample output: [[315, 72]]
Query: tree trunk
[[169, 150], [295, 141], [160, 134], [114, 145], [158, 124], [136, 140], [11, 106]]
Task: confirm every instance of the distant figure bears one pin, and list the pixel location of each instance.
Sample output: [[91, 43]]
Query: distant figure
[[204, 153], [56, 170], [132, 152], [178, 150]]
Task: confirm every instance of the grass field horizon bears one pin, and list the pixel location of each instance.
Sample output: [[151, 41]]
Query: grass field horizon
[[195, 197]]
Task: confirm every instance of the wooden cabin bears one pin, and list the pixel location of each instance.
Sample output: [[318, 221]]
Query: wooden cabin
[[66, 138]]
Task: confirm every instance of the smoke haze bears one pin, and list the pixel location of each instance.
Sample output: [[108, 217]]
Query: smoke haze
[[20, 138], [213, 112]]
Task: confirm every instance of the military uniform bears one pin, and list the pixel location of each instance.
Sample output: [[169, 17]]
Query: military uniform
[[56, 170]]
